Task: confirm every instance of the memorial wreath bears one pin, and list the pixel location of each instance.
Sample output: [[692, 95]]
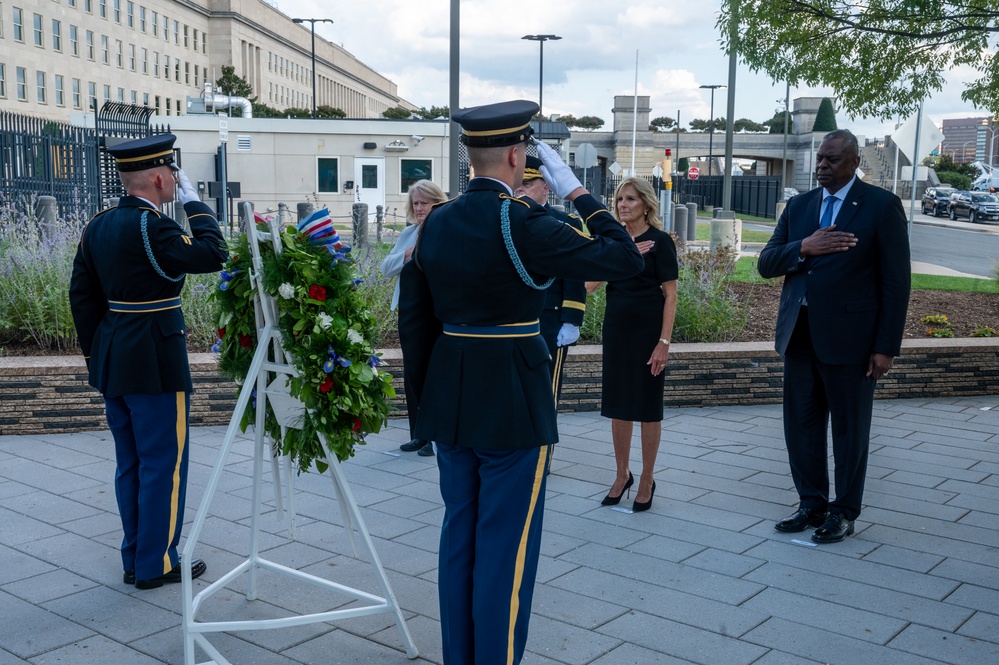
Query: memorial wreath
[[325, 327]]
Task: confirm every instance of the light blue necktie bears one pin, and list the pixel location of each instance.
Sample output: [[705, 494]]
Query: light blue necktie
[[827, 216]]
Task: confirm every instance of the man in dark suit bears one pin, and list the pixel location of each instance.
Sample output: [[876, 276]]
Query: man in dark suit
[[487, 400], [565, 299], [843, 250], [125, 296]]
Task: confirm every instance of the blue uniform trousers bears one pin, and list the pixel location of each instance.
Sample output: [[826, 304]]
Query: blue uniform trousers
[[150, 436], [490, 540]]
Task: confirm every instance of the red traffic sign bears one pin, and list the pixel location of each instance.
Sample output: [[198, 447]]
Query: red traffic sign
[[693, 172]]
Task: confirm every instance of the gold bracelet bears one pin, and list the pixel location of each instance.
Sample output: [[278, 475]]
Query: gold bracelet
[[664, 341]]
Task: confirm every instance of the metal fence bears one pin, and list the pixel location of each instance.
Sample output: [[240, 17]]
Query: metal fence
[[42, 157], [751, 195]]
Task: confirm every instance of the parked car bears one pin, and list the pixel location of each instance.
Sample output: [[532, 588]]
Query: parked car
[[936, 200], [976, 206]]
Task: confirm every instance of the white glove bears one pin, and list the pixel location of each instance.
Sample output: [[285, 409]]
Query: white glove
[[186, 192], [558, 176], [567, 334]]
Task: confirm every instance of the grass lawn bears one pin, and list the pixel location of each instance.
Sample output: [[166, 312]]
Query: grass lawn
[[748, 235]]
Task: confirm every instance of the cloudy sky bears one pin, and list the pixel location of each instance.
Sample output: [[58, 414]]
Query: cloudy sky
[[676, 42]]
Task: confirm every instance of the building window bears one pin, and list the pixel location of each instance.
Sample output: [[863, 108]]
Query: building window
[[327, 174], [39, 37], [156, 64], [154, 20], [121, 95], [3, 81], [18, 25], [157, 105], [176, 32], [40, 84], [103, 6], [71, 3], [130, 14], [74, 40], [178, 106], [88, 6], [117, 11], [105, 50], [90, 44], [195, 39], [76, 94], [166, 29], [119, 54], [131, 57], [145, 61], [56, 35], [60, 95], [197, 77], [176, 70], [107, 93], [135, 98], [145, 99], [142, 19], [186, 44], [22, 84], [91, 94], [187, 73], [411, 170]]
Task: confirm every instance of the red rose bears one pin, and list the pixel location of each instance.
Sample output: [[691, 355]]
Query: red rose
[[317, 292], [246, 340], [221, 333], [357, 424], [326, 385]]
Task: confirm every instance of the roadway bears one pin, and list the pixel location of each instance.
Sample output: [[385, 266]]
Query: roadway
[[955, 247]]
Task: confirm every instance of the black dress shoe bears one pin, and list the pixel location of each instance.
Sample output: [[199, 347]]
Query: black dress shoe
[[128, 577], [834, 529], [801, 520], [427, 450], [413, 446], [641, 506], [172, 577], [614, 500]]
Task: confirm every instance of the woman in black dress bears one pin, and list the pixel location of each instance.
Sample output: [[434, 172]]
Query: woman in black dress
[[637, 326]]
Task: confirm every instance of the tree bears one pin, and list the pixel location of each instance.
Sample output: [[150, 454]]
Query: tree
[[590, 122], [230, 84], [881, 57], [747, 125], [946, 164], [434, 112], [397, 113], [776, 123], [699, 125], [662, 124], [682, 165], [327, 111], [568, 119], [825, 117]]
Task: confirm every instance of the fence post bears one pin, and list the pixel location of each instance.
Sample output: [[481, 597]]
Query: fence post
[[680, 223], [359, 224], [305, 209], [379, 219], [282, 216], [691, 222]]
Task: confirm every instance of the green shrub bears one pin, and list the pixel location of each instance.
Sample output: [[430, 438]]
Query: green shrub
[[957, 180], [708, 309], [591, 332]]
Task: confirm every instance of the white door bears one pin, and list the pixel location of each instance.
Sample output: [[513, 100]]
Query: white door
[[369, 182]]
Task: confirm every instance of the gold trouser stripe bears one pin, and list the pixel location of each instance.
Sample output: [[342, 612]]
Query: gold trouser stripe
[[557, 372], [518, 571], [181, 429]]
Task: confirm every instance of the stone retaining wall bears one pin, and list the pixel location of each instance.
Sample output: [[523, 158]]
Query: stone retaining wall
[[50, 393]]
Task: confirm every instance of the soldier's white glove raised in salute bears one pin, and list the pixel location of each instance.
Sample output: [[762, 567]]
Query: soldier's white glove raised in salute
[[558, 176], [186, 193]]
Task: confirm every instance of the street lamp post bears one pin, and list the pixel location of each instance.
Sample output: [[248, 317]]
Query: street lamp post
[[313, 21], [964, 154], [711, 124], [987, 124], [541, 39]]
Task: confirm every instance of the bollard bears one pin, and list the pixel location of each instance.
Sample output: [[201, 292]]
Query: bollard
[[716, 212], [691, 222], [359, 224], [379, 219], [46, 211], [680, 223], [305, 209], [282, 216], [726, 231], [665, 208]]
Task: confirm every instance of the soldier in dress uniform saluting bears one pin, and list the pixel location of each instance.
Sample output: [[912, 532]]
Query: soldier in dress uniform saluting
[[485, 260], [125, 296], [565, 299]]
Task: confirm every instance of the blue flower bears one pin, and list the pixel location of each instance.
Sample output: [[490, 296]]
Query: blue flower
[[328, 366], [357, 282], [374, 361], [217, 346]]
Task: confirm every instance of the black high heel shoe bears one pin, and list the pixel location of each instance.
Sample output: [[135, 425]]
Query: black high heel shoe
[[614, 500], [638, 507]]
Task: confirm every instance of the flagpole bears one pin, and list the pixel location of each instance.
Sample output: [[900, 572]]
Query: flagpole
[[634, 117], [915, 165]]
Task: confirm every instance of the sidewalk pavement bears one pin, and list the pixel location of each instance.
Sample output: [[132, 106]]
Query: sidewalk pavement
[[700, 578]]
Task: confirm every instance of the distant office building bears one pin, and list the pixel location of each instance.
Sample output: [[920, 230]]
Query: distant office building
[[58, 56], [967, 139]]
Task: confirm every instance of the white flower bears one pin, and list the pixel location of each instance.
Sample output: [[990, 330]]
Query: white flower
[[325, 320], [286, 291], [354, 337]]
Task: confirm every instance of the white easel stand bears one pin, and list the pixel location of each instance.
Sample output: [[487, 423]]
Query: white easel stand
[[261, 370]]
